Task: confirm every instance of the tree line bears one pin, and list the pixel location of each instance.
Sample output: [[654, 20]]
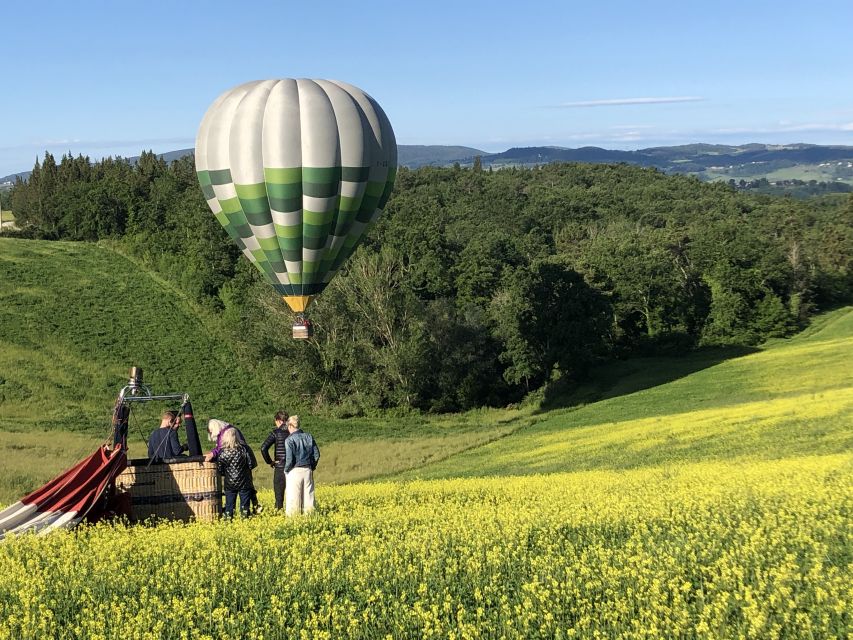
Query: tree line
[[477, 287]]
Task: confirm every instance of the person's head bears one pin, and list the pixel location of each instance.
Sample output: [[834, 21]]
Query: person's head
[[214, 427], [229, 439], [170, 419], [293, 423], [281, 418]]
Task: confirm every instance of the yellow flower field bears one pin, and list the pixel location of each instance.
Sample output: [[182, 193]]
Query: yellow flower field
[[702, 550]]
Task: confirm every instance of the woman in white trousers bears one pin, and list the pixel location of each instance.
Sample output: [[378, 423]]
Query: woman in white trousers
[[301, 457]]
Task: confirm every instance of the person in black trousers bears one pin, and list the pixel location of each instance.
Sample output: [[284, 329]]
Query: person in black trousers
[[234, 464], [278, 436]]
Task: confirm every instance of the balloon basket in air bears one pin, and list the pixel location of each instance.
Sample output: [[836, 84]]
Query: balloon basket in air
[[302, 329]]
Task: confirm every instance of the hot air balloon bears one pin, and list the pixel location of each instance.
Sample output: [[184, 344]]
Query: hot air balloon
[[296, 171]]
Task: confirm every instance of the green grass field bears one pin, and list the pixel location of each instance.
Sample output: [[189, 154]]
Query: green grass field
[[793, 398], [7, 220], [74, 317], [804, 172], [708, 496]]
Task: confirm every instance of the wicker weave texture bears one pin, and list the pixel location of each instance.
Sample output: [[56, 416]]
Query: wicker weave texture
[[176, 491]]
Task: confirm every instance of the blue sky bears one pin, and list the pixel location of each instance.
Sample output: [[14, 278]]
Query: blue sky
[[106, 78]]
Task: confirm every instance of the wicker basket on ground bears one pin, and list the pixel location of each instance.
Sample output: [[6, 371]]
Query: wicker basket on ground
[[180, 489]]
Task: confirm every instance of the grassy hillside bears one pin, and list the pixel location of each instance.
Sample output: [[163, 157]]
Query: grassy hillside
[[821, 172], [75, 316], [793, 398], [7, 220], [699, 497]]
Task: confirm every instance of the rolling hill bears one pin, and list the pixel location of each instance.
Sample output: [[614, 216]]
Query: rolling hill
[[707, 162], [75, 316], [792, 398], [702, 496]]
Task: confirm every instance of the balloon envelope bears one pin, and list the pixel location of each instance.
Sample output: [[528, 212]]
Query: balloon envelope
[[296, 171]]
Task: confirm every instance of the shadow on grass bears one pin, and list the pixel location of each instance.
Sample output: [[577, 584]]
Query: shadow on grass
[[624, 377]]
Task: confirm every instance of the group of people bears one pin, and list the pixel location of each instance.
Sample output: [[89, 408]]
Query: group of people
[[295, 456]]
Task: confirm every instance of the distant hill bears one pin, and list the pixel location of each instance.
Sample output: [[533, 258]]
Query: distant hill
[[700, 156], [748, 162], [775, 163], [416, 155], [8, 181], [411, 156], [170, 156]]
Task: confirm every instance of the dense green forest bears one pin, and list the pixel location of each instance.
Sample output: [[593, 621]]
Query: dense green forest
[[478, 287]]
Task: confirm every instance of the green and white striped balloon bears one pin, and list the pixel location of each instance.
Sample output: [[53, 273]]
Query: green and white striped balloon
[[296, 171]]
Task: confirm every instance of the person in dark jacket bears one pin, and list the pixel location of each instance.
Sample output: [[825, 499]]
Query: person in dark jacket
[[234, 465], [163, 442], [277, 436], [216, 429], [300, 460]]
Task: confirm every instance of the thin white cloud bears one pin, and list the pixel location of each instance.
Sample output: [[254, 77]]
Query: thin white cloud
[[618, 102]]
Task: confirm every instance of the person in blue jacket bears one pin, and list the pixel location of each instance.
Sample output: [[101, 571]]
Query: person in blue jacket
[[300, 460]]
